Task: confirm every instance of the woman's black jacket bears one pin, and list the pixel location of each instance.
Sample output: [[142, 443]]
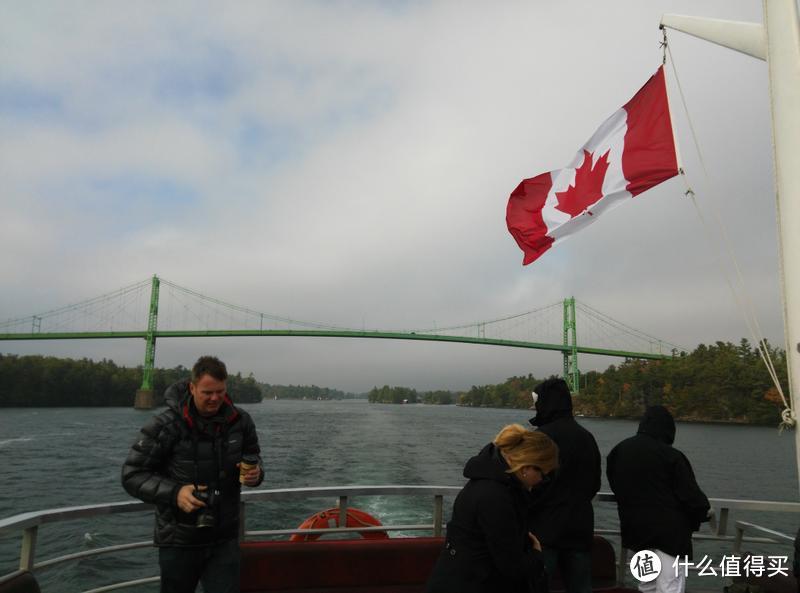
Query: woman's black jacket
[[488, 549], [178, 447]]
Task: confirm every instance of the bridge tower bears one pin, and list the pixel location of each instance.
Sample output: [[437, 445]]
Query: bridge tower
[[144, 396], [571, 373]]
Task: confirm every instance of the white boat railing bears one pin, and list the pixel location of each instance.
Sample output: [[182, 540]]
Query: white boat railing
[[721, 512], [28, 524]]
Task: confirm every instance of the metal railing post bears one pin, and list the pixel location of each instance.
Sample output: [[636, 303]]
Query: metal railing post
[[737, 541], [342, 511], [722, 524], [438, 514], [712, 522], [27, 553], [622, 565]]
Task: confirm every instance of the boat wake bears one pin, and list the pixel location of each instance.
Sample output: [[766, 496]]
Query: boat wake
[[4, 442]]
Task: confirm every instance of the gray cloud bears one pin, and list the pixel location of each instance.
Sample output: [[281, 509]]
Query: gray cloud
[[351, 164]]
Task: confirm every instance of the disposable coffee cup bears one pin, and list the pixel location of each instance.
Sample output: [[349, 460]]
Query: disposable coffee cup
[[248, 462]]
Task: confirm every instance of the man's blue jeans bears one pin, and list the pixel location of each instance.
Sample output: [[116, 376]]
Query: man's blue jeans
[[575, 567]]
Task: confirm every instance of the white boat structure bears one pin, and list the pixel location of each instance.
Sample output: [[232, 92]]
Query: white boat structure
[[777, 41]]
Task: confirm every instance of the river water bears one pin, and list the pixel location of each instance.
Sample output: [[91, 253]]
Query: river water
[[58, 457]]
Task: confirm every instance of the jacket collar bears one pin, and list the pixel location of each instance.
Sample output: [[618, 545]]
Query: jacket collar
[[227, 414]]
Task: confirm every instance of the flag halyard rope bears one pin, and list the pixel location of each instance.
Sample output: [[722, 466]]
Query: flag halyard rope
[[788, 415]]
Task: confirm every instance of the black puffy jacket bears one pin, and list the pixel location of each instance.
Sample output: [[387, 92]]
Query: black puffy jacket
[[488, 549], [179, 447], [658, 499], [563, 517]]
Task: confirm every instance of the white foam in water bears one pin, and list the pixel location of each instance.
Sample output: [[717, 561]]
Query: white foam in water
[[5, 442]]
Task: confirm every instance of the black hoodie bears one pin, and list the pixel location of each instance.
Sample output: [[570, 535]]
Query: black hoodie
[[563, 517], [658, 423], [488, 549], [658, 499]]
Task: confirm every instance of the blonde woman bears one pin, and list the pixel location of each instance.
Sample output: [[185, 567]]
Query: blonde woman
[[489, 547]]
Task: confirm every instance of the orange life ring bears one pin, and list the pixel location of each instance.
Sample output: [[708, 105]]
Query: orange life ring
[[329, 518]]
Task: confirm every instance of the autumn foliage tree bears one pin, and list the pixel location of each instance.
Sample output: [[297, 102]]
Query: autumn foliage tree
[[721, 382]]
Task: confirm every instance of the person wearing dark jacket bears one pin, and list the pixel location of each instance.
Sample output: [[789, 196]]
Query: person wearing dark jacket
[[658, 499], [489, 547], [796, 566], [563, 517], [187, 462]]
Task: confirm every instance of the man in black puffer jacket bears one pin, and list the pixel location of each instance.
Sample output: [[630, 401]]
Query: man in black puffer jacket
[[563, 517], [186, 462], [658, 499]]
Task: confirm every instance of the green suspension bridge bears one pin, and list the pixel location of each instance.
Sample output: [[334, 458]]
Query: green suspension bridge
[[156, 308]]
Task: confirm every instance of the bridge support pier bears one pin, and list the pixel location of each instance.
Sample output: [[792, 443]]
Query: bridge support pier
[[144, 399], [571, 373]]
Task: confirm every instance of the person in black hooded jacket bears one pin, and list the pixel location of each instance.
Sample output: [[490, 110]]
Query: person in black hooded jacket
[[658, 499], [563, 517], [194, 448], [796, 566], [489, 547]]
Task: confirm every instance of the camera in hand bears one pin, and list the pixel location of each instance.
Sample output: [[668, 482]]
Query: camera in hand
[[206, 516]]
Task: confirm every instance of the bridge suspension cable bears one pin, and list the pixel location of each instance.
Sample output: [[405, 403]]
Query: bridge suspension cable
[[528, 326], [608, 331], [112, 311], [210, 307]]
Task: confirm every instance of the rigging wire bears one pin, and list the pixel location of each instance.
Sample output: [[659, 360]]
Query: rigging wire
[[741, 296]]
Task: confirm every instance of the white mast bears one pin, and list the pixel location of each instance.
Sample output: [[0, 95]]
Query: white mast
[[778, 42]]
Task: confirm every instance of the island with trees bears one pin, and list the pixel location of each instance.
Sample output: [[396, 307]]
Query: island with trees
[[723, 382]]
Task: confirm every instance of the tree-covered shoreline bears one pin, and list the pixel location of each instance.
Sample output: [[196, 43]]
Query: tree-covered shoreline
[[719, 383], [44, 381], [722, 382], [305, 392], [405, 395]]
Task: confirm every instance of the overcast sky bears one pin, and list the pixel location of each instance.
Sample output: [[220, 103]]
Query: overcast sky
[[350, 162]]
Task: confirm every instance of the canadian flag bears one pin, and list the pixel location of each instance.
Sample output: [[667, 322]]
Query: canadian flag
[[631, 152]]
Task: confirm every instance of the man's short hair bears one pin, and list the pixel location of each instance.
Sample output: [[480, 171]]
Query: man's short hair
[[209, 365]]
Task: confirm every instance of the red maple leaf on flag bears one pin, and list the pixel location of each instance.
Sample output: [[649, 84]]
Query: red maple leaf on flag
[[588, 187]]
